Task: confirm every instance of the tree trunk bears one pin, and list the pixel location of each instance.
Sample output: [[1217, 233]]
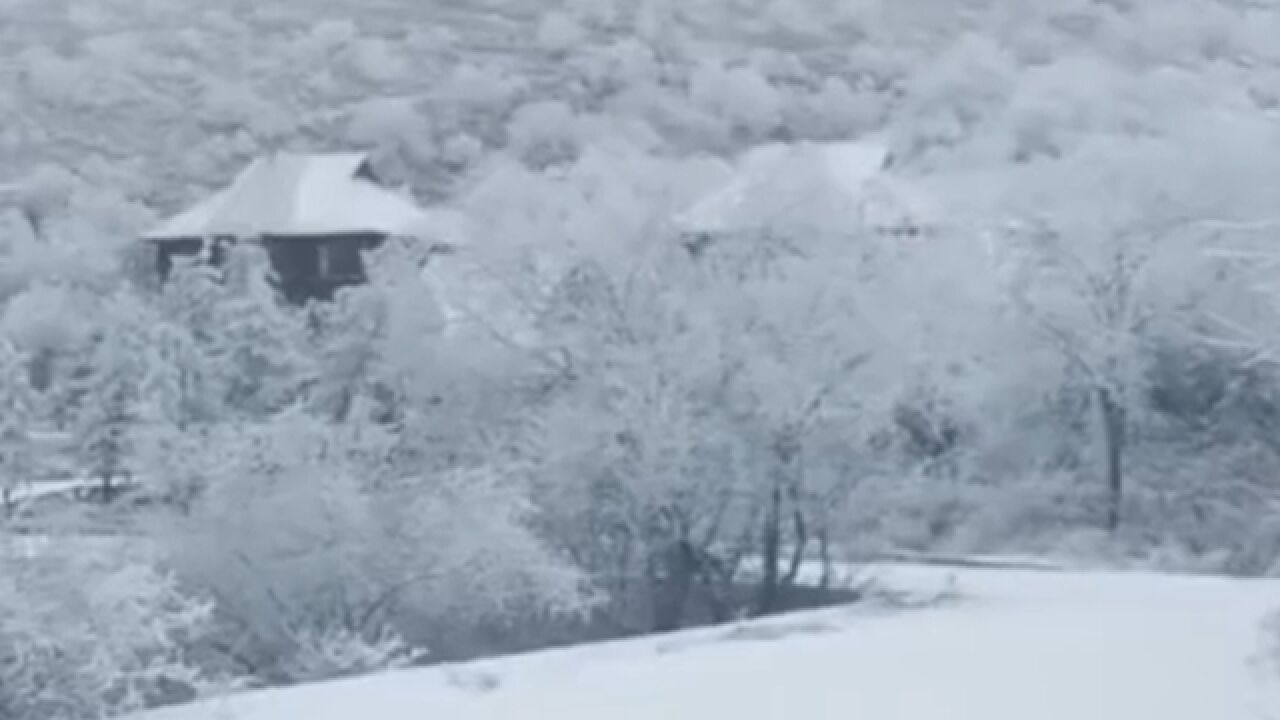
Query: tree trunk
[[824, 554], [107, 487], [1113, 439], [801, 544], [771, 554], [717, 589], [41, 370], [672, 585], [342, 406], [786, 475]]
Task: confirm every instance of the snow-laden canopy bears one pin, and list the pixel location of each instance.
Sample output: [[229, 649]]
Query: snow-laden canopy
[[809, 182], [290, 194]]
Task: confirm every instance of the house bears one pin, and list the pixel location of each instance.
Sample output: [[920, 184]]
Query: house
[[314, 214], [809, 186]]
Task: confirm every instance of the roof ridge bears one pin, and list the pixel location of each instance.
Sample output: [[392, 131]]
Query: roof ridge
[[292, 193]]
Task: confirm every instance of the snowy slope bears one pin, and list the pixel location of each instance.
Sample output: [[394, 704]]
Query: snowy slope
[[1015, 645]]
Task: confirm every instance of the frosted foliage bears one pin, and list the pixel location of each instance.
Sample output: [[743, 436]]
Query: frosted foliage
[[304, 530], [559, 31], [337, 652], [385, 121], [47, 317], [543, 133], [378, 61], [275, 567], [19, 402], [693, 375], [740, 96], [111, 399], [658, 472], [257, 343], [382, 347], [1097, 281], [87, 637], [648, 368]]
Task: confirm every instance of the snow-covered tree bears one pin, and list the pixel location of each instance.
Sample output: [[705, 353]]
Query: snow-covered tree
[[1099, 286], [109, 404], [640, 462], [307, 528], [381, 344], [88, 632], [18, 400], [259, 345]]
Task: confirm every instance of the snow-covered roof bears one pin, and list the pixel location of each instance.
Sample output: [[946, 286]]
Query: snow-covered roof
[[291, 194], [805, 182]]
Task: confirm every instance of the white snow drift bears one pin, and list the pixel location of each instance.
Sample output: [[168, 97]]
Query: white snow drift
[[1011, 645]]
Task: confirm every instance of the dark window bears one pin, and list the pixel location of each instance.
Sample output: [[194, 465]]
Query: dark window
[[339, 259], [169, 250]]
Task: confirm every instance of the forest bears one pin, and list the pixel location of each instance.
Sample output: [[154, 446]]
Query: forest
[[1050, 331]]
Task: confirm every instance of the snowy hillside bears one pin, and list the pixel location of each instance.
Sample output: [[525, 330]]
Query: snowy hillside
[[1009, 645]]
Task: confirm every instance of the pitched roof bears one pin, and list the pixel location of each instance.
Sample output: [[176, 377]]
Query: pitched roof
[[802, 182], [290, 194]]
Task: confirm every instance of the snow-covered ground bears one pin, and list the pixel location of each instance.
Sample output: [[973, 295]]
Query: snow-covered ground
[[1010, 645]]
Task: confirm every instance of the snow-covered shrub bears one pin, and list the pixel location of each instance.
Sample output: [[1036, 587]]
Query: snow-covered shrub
[[738, 96], [17, 452], [334, 652], [48, 317], [86, 633], [543, 133], [320, 547], [258, 341]]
